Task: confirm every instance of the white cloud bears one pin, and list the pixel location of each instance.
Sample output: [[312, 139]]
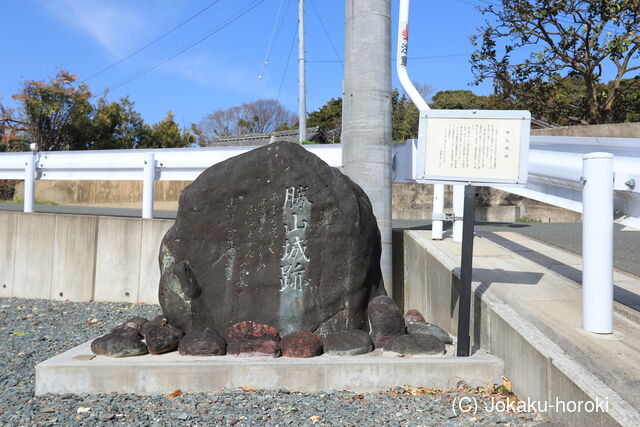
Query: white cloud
[[113, 25], [209, 71]]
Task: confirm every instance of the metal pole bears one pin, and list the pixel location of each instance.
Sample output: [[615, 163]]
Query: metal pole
[[437, 211], [458, 211], [466, 269], [401, 57], [366, 113], [437, 214], [302, 95], [597, 243], [149, 176], [29, 183]]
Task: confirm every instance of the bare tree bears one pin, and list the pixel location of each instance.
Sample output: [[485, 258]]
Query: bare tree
[[261, 116]]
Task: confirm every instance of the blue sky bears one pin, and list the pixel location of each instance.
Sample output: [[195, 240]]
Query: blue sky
[[87, 36]]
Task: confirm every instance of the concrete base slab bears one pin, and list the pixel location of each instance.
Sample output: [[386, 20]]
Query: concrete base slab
[[70, 372]]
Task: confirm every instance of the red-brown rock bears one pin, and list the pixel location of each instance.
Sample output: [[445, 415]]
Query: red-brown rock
[[301, 344], [248, 338], [413, 316], [247, 330], [385, 319], [254, 347]]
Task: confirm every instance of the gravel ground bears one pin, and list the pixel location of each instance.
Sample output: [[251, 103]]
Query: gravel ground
[[34, 330]]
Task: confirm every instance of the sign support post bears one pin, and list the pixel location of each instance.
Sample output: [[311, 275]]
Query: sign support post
[[466, 269]]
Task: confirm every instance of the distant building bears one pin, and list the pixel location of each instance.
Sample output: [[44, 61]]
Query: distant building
[[314, 134]]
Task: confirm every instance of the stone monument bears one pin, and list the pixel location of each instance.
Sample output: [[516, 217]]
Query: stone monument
[[273, 252], [275, 236]]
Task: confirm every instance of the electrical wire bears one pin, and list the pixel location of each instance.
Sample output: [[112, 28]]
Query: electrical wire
[[409, 58], [277, 25], [327, 33], [189, 45], [120, 61], [286, 67]]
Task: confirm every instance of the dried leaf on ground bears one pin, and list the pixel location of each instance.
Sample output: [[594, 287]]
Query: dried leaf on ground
[[175, 393], [506, 383]]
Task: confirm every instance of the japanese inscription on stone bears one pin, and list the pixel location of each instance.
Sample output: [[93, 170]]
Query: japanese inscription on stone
[[296, 215]]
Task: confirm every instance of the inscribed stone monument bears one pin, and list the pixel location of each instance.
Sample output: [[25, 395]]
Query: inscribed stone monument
[[274, 236]]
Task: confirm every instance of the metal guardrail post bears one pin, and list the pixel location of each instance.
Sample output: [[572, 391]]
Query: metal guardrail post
[[30, 183], [437, 212], [149, 176], [458, 212], [597, 243]]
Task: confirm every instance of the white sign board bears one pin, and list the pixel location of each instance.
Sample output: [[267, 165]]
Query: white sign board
[[477, 147]]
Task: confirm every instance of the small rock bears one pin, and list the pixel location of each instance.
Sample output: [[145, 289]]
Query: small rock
[[115, 345], [301, 344], [204, 343], [413, 316], [136, 322], [162, 338], [424, 328], [415, 345], [248, 338], [127, 331], [254, 347], [349, 343], [386, 320], [252, 330], [159, 320]]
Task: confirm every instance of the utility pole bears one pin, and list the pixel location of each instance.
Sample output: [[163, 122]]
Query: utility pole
[[366, 113], [302, 95]]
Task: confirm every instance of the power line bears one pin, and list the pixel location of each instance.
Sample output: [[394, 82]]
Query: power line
[[200, 12], [409, 58], [277, 26], [286, 67], [327, 33], [189, 45]]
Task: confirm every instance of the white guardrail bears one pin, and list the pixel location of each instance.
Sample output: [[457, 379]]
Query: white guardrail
[[599, 177], [556, 172], [150, 165], [555, 168]]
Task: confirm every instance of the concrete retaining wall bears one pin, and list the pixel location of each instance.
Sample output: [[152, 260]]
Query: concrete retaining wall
[[538, 368], [413, 201], [410, 200], [98, 192], [80, 258], [613, 130]]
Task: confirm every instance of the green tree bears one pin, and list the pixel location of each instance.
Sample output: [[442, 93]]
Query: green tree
[[167, 134], [329, 119], [404, 117], [576, 38], [50, 110], [458, 100], [113, 125]]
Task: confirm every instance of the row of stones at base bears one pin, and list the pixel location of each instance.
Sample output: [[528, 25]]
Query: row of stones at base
[[249, 338]]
